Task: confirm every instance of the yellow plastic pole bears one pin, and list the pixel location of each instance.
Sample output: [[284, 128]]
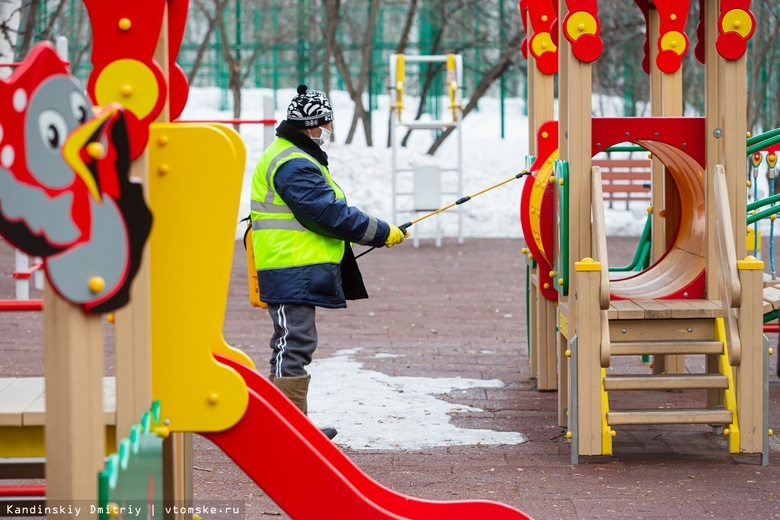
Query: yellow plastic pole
[[453, 85], [399, 85]]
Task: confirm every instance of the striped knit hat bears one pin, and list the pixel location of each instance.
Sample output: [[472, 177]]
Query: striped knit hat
[[309, 109]]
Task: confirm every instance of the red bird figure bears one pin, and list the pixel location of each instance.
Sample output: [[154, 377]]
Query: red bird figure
[[65, 194]]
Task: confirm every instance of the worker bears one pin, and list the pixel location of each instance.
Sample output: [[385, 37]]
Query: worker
[[302, 233]]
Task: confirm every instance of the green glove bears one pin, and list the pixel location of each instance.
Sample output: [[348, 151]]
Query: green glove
[[396, 236]]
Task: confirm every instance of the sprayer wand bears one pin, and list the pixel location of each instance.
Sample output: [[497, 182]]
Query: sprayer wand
[[462, 200]]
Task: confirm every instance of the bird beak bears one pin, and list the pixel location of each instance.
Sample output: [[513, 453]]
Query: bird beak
[[83, 149]]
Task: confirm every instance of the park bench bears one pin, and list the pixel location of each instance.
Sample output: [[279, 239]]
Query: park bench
[[625, 180]]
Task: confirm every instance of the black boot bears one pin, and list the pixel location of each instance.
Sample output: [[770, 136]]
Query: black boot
[[329, 431]]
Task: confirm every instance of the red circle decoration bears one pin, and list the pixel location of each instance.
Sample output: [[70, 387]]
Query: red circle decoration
[[547, 62], [587, 48], [731, 45], [668, 61]]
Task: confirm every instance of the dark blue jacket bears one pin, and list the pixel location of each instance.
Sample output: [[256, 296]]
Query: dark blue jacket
[[313, 202]]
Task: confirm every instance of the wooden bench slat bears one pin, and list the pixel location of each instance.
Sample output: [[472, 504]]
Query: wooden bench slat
[[772, 295], [654, 309], [622, 163], [16, 397], [681, 308], [627, 310], [23, 401]]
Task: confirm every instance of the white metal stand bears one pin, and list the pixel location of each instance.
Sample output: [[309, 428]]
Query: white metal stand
[[421, 188]]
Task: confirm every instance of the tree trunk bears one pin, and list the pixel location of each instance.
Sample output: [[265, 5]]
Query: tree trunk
[[331, 25], [78, 54], [10, 19], [204, 45], [27, 27], [233, 64], [365, 63], [46, 35]]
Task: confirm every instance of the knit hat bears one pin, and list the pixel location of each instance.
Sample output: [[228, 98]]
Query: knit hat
[[309, 109]]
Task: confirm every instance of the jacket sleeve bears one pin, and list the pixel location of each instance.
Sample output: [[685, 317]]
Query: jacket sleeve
[[305, 190]]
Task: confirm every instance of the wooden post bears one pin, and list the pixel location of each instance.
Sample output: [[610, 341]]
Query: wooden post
[[541, 96], [545, 324], [75, 431], [566, 312], [658, 242], [533, 329], [667, 100], [749, 375], [588, 274], [562, 340], [132, 338], [713, 141]]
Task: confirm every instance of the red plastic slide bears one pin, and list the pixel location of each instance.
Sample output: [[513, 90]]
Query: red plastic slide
[[308, 476]]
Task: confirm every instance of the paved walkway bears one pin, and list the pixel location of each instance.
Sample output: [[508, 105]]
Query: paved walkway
[[459, 311]]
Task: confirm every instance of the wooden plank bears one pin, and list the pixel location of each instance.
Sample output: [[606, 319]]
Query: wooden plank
[[772, 296], [669, 416], [671, 330], [639, 348], [666, 382], [623, 188], [707, 308], [681, 308], [35, 412], [16, 397], [654, 309], [628, 310], [4, 382], [767, 307], [622, 163]]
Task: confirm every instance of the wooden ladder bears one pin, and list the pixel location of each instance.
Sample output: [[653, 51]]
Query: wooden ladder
[[663, 328]]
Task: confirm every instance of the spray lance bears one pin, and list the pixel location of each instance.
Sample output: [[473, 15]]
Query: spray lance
[[462, 200]]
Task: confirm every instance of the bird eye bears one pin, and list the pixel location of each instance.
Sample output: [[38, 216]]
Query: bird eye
[[80, 107], [53, 129]]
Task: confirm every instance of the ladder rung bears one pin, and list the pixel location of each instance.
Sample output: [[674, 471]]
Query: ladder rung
[[637, 348], [666, 382], [669, 416]]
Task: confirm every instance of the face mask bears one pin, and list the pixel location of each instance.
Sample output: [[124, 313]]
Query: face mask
[[323, 137]]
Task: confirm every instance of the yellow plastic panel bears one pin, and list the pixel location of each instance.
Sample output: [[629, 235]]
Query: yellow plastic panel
[[28, 441], [195, 174], [729, 395], [606, 429], [220, 346]]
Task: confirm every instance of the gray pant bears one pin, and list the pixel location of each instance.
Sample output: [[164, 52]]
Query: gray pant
[[294, 339]]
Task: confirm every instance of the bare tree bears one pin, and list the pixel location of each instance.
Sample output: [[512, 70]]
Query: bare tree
[[509, 55], [47, 33], [10, 17], [27, 27], [211, 24], [355, 90]]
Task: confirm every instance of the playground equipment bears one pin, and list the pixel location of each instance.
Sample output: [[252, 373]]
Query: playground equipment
[[174, 369], [701, 294], [427, 180]]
